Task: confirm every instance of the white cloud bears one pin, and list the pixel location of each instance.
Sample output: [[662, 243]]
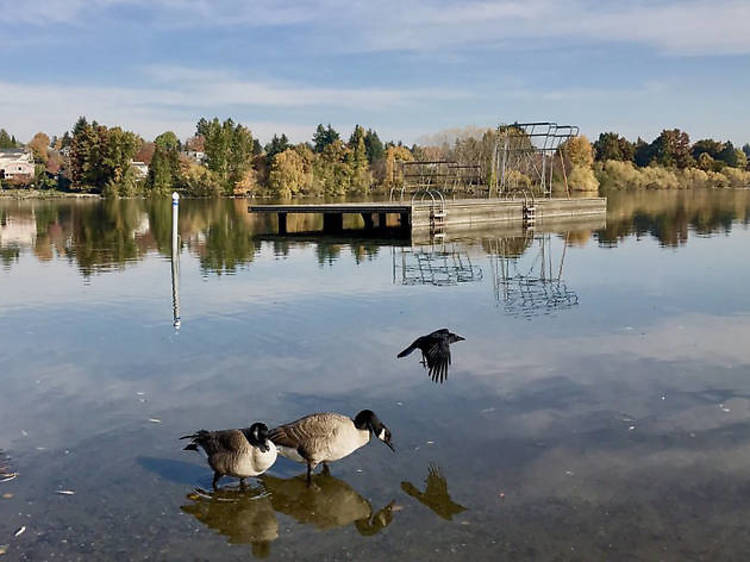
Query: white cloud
[[179, 95], [690, 27]]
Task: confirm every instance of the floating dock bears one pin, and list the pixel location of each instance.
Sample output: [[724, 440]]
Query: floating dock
[[435, 217]]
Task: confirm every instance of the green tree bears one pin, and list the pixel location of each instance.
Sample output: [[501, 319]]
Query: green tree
[[324, 137], [746, 149], [100, 158], [728, 155], [374, 146], [643, 153], [672, 149], [611, 146], [164, 169], [6, 141], [277, 145], [228, 147], [708, 146]]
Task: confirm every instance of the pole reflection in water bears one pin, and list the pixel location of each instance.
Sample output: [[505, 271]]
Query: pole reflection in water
[[528, 283], [435, 495], [327, 504], [175, 259], [243, 516]]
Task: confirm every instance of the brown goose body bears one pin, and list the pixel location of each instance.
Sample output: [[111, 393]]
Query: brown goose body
[[241, 453], [327, 436]]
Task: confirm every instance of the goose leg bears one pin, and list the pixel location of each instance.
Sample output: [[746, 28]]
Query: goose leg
[[217, 476], [309, 474], [326, 470], [243, 486]]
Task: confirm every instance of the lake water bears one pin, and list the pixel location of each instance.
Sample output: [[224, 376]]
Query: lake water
[[598, 409]]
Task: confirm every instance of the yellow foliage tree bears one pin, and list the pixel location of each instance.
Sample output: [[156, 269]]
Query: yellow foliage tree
[[39, 145], [394, 155], [288, 175]]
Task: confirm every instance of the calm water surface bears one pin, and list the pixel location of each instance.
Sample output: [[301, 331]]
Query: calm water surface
[[598, 409]]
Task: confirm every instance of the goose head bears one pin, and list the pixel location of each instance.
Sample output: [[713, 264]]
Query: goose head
[[257, 435], [367, 419]]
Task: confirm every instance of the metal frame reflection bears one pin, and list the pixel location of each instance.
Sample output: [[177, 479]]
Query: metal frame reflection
[[428, 265], [524, 288]]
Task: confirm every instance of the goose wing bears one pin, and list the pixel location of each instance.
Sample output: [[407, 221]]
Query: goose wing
[[224, 441], [307, 431], [438, 357]]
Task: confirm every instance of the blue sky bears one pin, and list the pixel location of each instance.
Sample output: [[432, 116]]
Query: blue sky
[[407, 69]]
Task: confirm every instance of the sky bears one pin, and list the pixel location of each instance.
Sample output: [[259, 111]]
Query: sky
[[406, 69]]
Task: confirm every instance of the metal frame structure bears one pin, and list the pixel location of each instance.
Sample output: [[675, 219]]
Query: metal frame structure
[[447, 176], [529, 288], [528, 149]]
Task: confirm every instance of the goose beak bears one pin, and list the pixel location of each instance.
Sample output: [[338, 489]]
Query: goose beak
[[390, 445]]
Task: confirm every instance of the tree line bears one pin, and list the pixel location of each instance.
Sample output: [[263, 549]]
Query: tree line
[[223, 158]]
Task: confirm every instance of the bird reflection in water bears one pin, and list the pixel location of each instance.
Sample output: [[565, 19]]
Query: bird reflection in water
[[327, 504], [248, 516], [243, 516], [435, 495]]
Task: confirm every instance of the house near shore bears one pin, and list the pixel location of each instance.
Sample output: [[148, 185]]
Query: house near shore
[[140, 168], [16, 165], [195, 155]]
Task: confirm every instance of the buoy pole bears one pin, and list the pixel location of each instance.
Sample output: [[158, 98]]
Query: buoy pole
[[176, 260]]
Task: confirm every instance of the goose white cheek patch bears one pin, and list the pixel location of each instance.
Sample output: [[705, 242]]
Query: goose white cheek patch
[[381, 435]]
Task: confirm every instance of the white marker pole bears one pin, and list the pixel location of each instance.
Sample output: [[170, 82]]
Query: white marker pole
[[176, 259]]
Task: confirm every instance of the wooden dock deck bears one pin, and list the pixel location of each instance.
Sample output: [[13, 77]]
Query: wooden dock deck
[[437, 216]]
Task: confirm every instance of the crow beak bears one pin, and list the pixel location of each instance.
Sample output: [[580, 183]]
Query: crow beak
[[460, 338]]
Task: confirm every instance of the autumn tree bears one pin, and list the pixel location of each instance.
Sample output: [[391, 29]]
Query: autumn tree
[[394, 155], [358, 162], [580, 154], [39, 146], [332, 169], [287, 174]]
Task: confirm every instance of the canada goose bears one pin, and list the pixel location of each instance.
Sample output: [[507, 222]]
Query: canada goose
[[326, 437], [436, 352], [245, 517], [235, 452], [332, 503]]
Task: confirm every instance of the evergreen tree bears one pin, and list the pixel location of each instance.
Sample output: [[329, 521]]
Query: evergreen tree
[[277, 146], [5, 140], [164, 170], [324, 137], [375, 149]]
